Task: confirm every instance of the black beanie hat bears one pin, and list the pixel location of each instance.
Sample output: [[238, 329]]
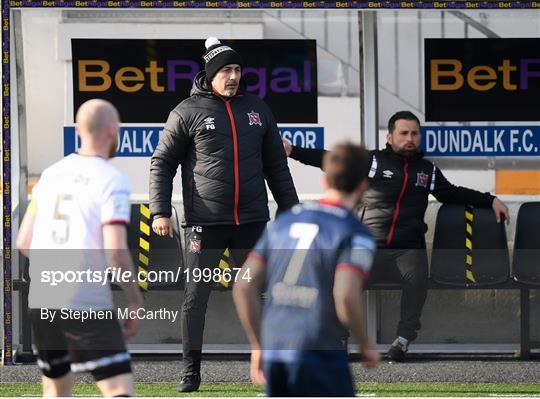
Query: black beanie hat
[[217, 56]]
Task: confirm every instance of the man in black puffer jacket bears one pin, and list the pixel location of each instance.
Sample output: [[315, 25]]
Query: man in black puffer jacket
[[227, 143], [393, 207]]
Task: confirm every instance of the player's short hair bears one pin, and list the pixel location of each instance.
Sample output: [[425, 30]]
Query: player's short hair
[[346, 165], [96, 115], [407, 115]]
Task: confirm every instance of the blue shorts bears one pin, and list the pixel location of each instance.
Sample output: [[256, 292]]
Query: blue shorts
[[307, 379]]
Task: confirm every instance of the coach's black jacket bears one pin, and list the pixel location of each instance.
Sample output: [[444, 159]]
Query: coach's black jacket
[[395, 202], [227, 148]]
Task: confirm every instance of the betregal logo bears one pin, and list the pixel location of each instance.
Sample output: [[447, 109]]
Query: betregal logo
[[450, 74], [482, 79]]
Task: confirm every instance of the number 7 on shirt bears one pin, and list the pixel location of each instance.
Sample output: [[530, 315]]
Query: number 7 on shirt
[[305, 233]]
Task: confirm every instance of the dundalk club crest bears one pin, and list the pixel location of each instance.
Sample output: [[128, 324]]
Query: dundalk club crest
[[195, 246], [421, 179], [254, 118]]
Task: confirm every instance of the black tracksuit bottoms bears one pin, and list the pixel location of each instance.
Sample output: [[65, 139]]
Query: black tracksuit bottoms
[[409, 267], [204, 246]]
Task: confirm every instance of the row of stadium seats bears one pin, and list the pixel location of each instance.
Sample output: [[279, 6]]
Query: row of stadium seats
[[470, 251], [469, 248]]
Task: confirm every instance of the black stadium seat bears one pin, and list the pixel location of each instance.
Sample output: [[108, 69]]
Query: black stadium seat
[[155, 254], [527, 244], [469, 250]]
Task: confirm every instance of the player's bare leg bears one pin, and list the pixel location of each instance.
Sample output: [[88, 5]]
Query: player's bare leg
[[54, 387], [119, 385]]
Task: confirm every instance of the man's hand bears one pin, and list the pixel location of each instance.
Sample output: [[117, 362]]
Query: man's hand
[[500, 209], [131, 325], [162, 226], [370, 357], [288, 147], [256, 369]]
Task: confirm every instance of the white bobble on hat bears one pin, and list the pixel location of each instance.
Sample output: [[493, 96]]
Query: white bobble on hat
[[211, 41], [217, 56]]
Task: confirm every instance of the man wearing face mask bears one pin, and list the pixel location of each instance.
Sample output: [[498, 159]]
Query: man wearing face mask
[[393, 207], [227, 143]]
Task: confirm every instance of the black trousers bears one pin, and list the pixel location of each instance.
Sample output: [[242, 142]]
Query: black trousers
[[409, 267], [204, 249]]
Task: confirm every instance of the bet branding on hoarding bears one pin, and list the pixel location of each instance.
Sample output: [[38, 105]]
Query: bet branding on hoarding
[[482, 79], [146, 78]]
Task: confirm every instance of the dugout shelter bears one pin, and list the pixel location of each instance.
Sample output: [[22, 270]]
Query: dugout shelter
[[329, 71]]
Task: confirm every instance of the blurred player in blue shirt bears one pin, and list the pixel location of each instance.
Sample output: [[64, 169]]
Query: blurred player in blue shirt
[[311, 263]]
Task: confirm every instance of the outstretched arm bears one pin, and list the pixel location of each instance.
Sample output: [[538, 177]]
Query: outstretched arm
[[446, 192], [308, 156]]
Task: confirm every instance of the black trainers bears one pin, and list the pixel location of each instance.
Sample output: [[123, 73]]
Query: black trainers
[[189, 383], [398, 349]]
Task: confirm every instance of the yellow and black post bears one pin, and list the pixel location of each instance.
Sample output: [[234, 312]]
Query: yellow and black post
[[224, 265], [469, 218], [144, 246]]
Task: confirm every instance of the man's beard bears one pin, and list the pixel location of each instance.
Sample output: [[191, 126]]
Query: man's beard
[[408, 153], [230, 91], [112, 150]]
